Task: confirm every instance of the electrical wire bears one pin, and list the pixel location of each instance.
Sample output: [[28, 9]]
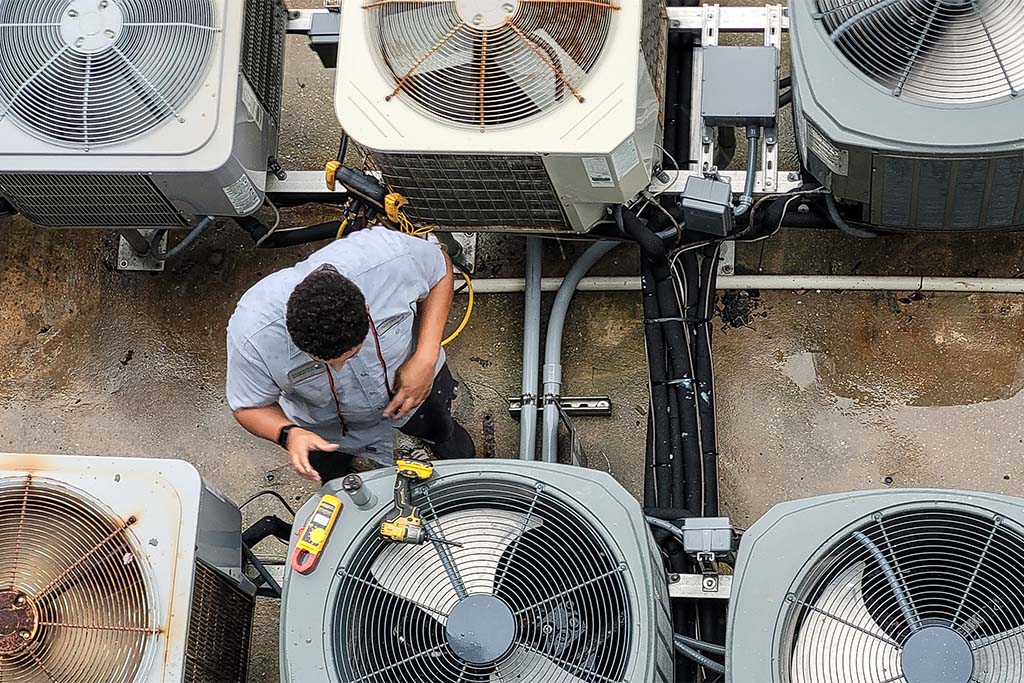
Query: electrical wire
[[277, 222], [703, 660], [469, 309], [701, 645], [268, 492], [666, 526], [156, 250]]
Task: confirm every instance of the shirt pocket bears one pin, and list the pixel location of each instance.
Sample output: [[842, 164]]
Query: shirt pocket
[[308, 384], [395, 335]]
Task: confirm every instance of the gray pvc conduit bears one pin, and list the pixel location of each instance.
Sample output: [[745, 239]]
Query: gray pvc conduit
[[553, 347], [531, 350]]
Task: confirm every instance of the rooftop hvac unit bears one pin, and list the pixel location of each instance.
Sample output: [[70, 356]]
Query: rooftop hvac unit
[[505, 113], [547, 574], [117, 570], [910, 108], [913, 586], [133, 113]]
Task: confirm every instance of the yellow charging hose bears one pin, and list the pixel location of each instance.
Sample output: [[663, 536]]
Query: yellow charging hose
[[469, 310]]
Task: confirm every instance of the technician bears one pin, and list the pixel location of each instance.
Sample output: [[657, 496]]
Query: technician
[[326, 357]]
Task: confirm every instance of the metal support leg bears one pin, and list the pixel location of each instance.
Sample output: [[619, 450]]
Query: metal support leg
[[133, 251]]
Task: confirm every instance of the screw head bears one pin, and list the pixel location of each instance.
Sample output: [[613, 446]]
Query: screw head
[[104, 4], [793, 176], [709, 583], [72, 12], [109, 33], [80, 42], [478, 19], [509, 8]]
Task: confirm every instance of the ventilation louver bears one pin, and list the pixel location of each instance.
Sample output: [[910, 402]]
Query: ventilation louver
[[946, 51], [911, 586], [93, 73], [520, 585], [485, 62]]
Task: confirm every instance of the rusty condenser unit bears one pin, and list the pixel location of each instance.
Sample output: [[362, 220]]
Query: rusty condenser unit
[[116, 570]]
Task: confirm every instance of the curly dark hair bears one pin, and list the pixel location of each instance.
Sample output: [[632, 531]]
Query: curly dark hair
[[327, 315]]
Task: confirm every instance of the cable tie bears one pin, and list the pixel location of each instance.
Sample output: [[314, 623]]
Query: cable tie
[[657, 321]]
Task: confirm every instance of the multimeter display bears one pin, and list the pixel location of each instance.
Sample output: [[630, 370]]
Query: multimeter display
[[314, 536]]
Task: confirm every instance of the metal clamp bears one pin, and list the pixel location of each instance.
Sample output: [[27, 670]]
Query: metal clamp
[[768, 180], [579, 406], [692, 587]]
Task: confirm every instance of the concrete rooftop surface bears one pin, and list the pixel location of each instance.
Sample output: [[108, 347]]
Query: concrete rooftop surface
[[817, 392]]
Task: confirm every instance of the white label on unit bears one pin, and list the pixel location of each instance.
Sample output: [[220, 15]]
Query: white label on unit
[[598, 171], [625, 158], [837, 160], [252, 104], [243, 195]]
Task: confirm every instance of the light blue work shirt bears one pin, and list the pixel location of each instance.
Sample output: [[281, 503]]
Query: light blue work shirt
[[395, 272]]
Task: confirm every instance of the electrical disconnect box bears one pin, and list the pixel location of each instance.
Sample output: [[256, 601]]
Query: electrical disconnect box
[[707, 206], [741, 86]]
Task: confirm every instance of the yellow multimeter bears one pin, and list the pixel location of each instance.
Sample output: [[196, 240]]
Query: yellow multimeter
[[313, 537]]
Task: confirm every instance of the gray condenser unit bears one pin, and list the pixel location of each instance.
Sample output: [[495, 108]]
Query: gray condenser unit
[[907, 586], [134, 113], [909, 109], [536, 573], [119, 570]]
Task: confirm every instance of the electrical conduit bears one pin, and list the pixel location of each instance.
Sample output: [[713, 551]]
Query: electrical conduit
[[553, 346]]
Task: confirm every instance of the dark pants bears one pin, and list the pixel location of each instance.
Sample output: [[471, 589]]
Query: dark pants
[[432, 422]]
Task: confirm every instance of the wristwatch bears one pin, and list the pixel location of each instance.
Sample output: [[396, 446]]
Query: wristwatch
[[282, 436]]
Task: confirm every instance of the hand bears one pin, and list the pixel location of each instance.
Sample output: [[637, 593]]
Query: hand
[[414, 382], [300, 443]]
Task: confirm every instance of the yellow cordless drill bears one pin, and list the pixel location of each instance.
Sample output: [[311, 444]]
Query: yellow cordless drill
[[404, 524]]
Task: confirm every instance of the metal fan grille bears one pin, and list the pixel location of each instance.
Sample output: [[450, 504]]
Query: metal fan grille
[[92, 73], [917, 595], [944, 51], [564, 585], [74, 600], [487, 63]]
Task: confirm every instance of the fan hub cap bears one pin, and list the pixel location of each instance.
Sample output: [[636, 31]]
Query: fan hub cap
[[937, 654], [486, 14], [19, 622], [91, 26], [481, 629]]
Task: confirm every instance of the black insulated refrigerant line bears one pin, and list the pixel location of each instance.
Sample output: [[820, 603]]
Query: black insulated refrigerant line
[[667, 339]]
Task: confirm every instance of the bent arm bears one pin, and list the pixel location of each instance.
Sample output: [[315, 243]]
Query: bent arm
[[433, 314], [265, 422]]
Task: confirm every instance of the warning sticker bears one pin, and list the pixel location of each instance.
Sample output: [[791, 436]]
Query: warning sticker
[[252, 104], [599, 172], [625, 158], [243, 196], [837, 160]]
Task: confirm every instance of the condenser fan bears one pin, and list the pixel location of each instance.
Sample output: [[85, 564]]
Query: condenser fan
[[85, 74], [944, 51], [516, 586], [916, 596], [75, 603], [486, 63]]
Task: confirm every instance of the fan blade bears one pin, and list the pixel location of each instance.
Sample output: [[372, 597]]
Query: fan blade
[[974, 58], [412, 35], [418, 573], [528, 665], [537, 79], [847, 646], [999, 657]]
